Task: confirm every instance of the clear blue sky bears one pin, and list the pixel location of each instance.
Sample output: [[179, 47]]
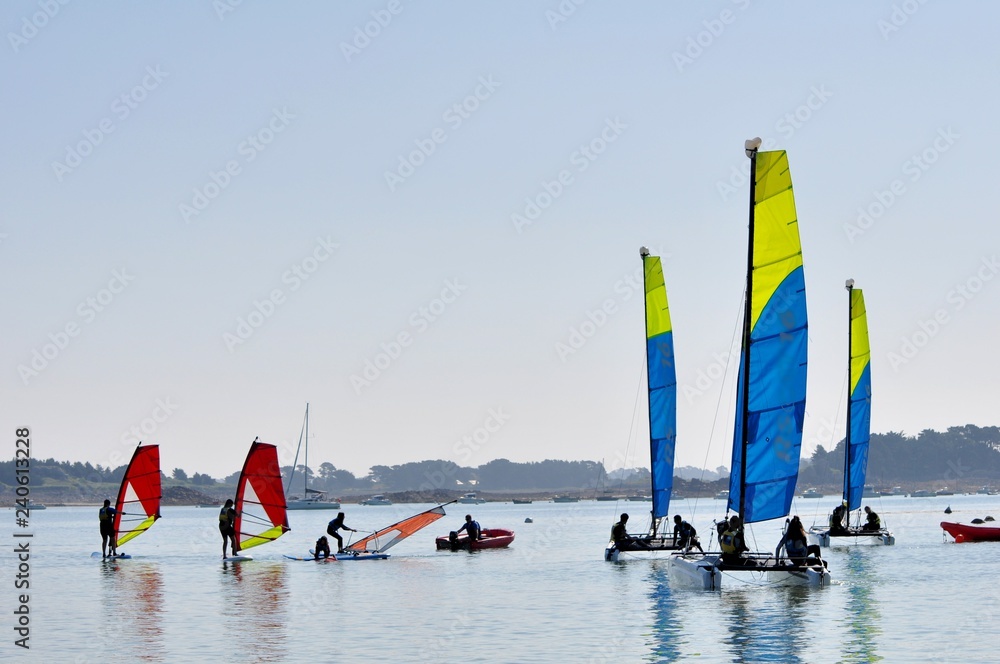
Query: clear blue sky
[[172, 168]]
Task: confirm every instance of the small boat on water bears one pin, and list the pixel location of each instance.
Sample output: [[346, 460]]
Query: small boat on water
[[35, 506], [521, 501], [491, 538], [722, 495], [811, 493], [565, 499], [987, 531], [377, 499], [921, 493], [944, 492], [640, 499], [471, 499]]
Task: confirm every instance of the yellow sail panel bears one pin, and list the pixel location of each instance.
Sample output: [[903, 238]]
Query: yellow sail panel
[[777, 251], [657, 311], [860, 348], [268, 535], [125, 536]]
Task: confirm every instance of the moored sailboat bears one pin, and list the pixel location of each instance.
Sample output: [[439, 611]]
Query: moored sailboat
[[312, 499], [261, 514], [858, 435], [662, 410], [771, 390]]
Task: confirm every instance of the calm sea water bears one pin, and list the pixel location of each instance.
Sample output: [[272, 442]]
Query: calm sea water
[[549, 598]]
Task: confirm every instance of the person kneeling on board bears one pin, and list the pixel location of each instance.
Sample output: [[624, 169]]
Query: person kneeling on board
[[322, 547], [685, 536]]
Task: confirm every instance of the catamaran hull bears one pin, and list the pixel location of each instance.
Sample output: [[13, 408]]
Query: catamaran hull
[[706, 573], [698, 572], [825, 539], [644, 548], [311, 505]]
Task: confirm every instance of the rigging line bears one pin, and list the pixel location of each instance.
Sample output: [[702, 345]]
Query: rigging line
[[631, 431]]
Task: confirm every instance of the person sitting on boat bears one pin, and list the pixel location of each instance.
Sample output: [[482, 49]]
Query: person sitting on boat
[[838, 519], [106, 515], [685, 536], [732, 543], [797, 546], [322, 547], [473, 528], [334, 526], [873, 523], [227, 526]]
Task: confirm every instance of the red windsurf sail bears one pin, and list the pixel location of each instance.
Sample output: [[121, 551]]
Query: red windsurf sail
[[397, 532], [138, 503], [261, 511]]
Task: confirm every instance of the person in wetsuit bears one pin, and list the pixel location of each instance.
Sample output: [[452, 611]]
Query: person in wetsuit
[[106, 516], [334, 526], [227, 526], [322, 547], [685, 536], [873, 523], [732, 543]]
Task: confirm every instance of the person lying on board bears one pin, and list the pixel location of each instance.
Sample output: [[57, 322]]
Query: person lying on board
[[472, 528], [334, 526], [227, 526], [797, 547], [106, 516], [685, 536], [322, 547], [873, 523]]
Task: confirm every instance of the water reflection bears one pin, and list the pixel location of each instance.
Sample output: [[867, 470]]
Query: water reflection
[[766, 624], [254, 598], [863, 620], [132, 600], [668, 633]]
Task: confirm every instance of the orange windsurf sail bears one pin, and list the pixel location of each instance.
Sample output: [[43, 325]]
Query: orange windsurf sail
[[397, 532]]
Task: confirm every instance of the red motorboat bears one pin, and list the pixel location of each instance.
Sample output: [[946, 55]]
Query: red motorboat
[[973, 532], [490, 538]]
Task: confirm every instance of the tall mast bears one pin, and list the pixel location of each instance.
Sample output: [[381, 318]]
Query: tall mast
[[644, 254], [751, 146], [305, 473], [849, 285]]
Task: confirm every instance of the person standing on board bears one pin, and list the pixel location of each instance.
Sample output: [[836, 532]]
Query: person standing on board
[[227, 526], [334, 526], [873, 523], [471, 527], [106, 515], [685, 536]]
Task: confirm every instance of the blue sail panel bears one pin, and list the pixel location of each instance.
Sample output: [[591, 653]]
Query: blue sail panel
[[776, 406], [861, 412], [662, 380]]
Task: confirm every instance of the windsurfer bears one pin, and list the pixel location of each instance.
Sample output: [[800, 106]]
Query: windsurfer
[[106, 515], [472, 528], [334, 526], [227, 526], [322, 547], [685, 536], [873, 523]]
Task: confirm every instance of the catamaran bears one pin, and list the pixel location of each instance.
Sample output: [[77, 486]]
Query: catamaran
[[771, 390], [138, 504], [261, 514], [662, 401], [312, 499], [859, 409]]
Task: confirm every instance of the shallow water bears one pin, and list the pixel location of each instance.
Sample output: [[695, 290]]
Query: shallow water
[[548, 598]]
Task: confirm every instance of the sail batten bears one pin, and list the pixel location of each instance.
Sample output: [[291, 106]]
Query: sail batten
[[859, 429], [138, 504], [662, 385], [261, 512], [772, 377]]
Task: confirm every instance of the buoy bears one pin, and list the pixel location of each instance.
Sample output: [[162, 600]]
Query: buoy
[[959, 538], [947, 510], [528, 520]]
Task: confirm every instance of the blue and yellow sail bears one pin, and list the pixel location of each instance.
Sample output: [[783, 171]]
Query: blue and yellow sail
[[662, 381], [774, 352], [859, 430]]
